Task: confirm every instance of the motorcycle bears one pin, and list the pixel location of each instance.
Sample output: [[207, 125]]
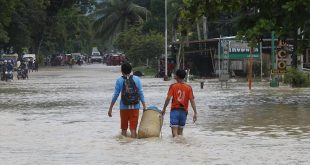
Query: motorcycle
[[21, 74], [9, 75]]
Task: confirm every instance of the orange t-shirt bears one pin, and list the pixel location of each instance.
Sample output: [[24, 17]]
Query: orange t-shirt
[[181, 93]]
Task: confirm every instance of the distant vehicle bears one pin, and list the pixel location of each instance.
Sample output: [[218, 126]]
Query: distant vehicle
[[96, 56], [116, 59], [95, 52], [9, 75], [12, 57], [22, 73], [76, 56], [29, 57], [96, 59]]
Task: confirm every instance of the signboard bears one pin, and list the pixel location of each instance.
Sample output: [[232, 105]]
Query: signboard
[[276, 71], [241, 50]]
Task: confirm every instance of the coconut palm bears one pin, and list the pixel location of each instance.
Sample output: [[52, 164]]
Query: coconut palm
[[115, 16]]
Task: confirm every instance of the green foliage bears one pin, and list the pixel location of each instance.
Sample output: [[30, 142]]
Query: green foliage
[[282, 17], [258, 18], [27, 22], [72, 30], [45, 26], [193, 9], [155, 21], [296, 78], [139, 47], [115, 16], [6, 11]]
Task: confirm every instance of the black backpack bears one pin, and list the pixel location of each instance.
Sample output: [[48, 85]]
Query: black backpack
[[130, 93]]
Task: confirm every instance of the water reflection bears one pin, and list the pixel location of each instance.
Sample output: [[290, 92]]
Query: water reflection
[[268, 119]]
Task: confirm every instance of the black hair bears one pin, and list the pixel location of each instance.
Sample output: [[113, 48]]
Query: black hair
[[180, 73], [126, 68]]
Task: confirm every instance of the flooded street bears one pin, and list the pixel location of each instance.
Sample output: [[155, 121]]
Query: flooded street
[[59, 116]]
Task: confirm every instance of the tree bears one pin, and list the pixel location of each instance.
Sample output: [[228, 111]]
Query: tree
[[26, 23], [285, 18], [139, 47], [68, 26], [115, 16], [6, 10], [72, 31], [44, 25], [258, 18], [156, 20]]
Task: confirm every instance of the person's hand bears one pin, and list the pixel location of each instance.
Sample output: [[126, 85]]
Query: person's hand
[[195, 117], [110, 112], [144, 106], [163, 112]]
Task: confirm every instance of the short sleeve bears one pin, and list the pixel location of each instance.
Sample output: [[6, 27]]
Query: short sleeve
[[170, 91], [191, 94]]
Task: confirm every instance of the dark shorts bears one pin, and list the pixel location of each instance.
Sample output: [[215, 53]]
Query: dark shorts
[[178, 118]]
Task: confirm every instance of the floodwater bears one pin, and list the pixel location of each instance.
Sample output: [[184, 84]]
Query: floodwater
[[59, 116]]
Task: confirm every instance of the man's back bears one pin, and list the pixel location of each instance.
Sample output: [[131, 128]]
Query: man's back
[[181, 93], [119, 87]]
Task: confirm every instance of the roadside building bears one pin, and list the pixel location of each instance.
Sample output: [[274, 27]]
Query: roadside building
[[204, 60]]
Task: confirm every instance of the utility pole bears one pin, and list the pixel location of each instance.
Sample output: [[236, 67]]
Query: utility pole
[[250, 70], [166, 43]]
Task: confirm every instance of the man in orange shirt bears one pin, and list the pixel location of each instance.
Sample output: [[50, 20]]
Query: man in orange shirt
[[181, 93]]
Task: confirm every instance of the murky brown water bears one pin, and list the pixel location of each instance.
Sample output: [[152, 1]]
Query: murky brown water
[[59, 116]]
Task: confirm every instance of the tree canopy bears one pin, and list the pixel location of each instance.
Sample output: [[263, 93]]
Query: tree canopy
[[57, 26], [115, 16], [36, 25], [256, 19], [141, 47]]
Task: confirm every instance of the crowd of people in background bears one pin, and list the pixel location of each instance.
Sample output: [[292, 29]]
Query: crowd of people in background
[[28, 63], [22, 68], [79, 59]]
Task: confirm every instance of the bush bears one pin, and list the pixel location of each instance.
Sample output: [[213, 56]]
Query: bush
[[296, 78]]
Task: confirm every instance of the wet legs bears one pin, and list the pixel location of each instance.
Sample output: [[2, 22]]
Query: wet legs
[[176, 131]]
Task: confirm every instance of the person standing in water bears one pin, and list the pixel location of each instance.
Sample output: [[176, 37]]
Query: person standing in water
[[129, 105], [181, 93]]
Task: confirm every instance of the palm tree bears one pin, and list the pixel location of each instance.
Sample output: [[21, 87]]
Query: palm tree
[[115, 16]]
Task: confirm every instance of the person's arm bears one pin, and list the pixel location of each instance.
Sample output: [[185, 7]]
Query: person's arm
[[117, 90], [166, 104], [110, 109], [194, 109]]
